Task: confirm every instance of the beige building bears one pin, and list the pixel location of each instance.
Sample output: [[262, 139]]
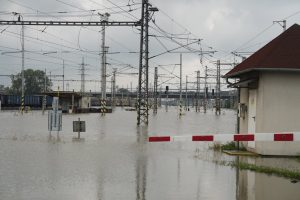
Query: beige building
[[72, 102], [269, 85], [85, 102]]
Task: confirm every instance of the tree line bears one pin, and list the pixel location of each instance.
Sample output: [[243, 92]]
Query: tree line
[[34, 83]]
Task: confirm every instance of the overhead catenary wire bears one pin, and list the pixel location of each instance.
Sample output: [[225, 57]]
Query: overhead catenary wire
[[28, 37], [168, 36], [55, 16], [110, 2]]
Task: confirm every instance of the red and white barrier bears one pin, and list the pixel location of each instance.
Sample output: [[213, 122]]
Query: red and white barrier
[[287, 137]]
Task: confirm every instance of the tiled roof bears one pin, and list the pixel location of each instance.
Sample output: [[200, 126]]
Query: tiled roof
[[282, 53]]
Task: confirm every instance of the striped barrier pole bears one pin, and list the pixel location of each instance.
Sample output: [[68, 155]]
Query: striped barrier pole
[[180, 108], [22, 104], [103, 107], [259, 137]]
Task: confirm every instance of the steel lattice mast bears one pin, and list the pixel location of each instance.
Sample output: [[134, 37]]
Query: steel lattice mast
[[198, 92], [82, 75], [113, 89], [205, 91], [218, 89], [22, 73], [143, 109], [155, 91], [104, 50]]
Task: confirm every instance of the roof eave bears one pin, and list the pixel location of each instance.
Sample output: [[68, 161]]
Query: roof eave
[[237, 74]]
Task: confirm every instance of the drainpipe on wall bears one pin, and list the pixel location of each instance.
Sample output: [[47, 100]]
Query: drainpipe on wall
[[237, 116]]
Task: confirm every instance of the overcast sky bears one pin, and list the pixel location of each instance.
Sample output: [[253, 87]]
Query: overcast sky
[[223, 26]]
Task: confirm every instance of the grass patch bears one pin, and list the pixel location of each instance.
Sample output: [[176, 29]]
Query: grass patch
[[291, 174], [231, 146], [286, 173]]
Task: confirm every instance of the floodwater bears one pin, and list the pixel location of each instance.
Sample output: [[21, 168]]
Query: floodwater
[[115, 161]]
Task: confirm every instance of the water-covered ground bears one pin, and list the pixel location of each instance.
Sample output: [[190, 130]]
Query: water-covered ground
[[116, 162]]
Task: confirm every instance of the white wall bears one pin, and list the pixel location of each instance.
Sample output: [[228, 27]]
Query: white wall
[[85, 102], [278, 110], [244, 95]]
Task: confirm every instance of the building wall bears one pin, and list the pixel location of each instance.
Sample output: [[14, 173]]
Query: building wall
[[85, 102], [278, 110], [244, 95]]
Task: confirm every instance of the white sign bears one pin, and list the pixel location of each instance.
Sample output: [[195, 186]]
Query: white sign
[[55, 103], [55, 120]]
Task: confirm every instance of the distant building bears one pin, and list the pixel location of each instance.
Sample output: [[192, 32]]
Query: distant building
[[269, 85], [72, 102]]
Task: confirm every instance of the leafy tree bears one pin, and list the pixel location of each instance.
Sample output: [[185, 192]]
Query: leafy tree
[[123, 90], [34, 82], [4, 89]]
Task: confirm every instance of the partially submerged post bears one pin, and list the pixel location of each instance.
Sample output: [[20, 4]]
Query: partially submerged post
[[45, 90], [78, 129], [218, 89], [186, 93], [155, 91], [78, 126], [180, 87], [198, 92], [104, 49], [55, 117]]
